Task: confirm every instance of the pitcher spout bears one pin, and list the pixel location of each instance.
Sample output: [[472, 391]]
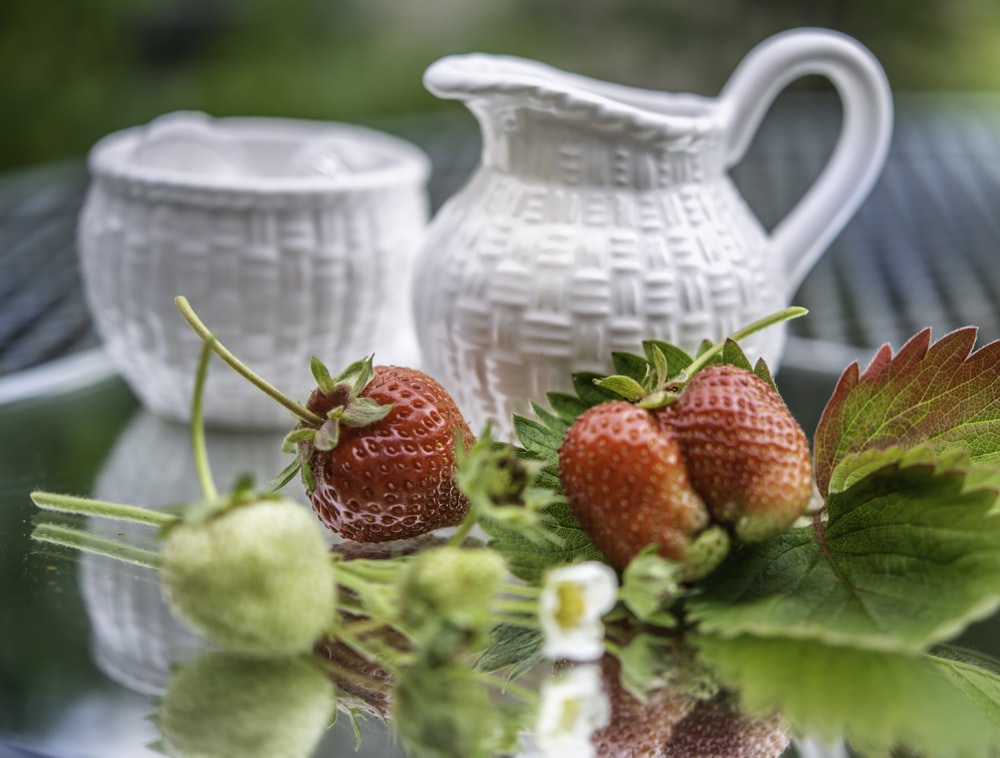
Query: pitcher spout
[[482, 76], [539, 121]]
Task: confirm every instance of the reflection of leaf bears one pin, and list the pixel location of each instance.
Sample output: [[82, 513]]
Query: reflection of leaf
[[514, 646], [876, 699], [976, 675], [941, 395], [908, 556]]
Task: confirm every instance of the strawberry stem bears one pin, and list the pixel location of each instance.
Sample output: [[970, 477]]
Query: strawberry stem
[[198, 447], [299, 410], [50, 501], [787, 314], [66, 536], [508, 686], [463, 529]]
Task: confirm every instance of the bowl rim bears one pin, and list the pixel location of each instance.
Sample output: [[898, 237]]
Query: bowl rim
[[404, 165]]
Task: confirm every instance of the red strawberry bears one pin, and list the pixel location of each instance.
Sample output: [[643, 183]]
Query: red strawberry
[[746, 455], [718, 728], [625, 480], [637, 729], [385, 472]]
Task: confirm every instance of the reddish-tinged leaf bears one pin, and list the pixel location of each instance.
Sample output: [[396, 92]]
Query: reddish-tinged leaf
[[940, 395]]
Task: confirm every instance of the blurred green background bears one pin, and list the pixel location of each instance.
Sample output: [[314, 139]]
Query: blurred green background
[[74, 70]]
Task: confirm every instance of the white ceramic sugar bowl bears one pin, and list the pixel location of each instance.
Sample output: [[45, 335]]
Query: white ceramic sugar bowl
[[289, 238]]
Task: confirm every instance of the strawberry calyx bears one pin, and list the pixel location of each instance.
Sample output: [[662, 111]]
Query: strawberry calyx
[[339, 401], [657, 388], [336, 402], [242, 494], [660, 385]]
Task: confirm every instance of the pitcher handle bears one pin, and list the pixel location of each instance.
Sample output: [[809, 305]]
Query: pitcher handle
[[819, 216]]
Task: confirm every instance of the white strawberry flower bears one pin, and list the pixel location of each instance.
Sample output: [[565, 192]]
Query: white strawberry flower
[[573, 707], [572, 601]]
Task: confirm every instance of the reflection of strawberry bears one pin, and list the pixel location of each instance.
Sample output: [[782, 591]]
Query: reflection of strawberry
[[381, 467], [637, 729], [718, 728], [626, 483], [745, 453], [365, 684]]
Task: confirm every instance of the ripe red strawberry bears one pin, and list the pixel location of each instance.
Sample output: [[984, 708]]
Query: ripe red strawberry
[[746, 455], [637, 729], [718, 728], [389, 473], [626, 483]]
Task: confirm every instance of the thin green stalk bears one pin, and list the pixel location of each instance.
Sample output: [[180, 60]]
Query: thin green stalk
[[508, 687], [786, 314], [370, 570], [463, 530], [377, 654], [299, 410], [198, 447], [50, 501], [524, 590], [516, 606], [66, 536], [360, 628], [346, 674]]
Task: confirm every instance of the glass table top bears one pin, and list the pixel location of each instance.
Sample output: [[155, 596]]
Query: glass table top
[[84, 646]]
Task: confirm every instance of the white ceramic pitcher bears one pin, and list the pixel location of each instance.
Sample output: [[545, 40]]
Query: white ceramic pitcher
[[602, 215]]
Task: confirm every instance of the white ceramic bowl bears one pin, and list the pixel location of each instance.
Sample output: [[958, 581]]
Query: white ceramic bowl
[[289, 238]]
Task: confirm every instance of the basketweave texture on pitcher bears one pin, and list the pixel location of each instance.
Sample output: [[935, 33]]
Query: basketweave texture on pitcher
[[676, 265]]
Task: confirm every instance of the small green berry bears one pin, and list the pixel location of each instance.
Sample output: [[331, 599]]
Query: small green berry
[[454, 584], [256, 579], [221, 705], [704, 555]]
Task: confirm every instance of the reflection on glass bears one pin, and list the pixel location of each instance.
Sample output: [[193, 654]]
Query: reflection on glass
[[136, 638], [221, 704]]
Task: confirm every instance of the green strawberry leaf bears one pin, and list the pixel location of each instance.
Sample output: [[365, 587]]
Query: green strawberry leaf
[[512, 646], [878, 700], [764, 373], [566, 407], [585, 384], [529, 559], [733, 354], [976, 675], [554, 421], [633, 366], [649, 585], [942, 395], [909, 555], [538, 438], [677, 359], [624, 387]]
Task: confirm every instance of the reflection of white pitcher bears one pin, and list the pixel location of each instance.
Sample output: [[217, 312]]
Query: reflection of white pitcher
[[603, 215]]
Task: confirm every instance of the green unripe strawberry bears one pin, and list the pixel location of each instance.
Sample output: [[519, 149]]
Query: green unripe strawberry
[[255, 578], [222, 705], [450, 595]]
